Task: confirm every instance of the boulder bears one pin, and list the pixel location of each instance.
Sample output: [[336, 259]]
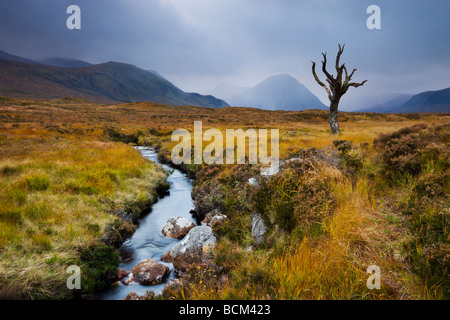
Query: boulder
[[258, 228], [213, 217], [174, 283], [209, 216], [134, 296], [253, 182], [173, 286], [194, 249], [121, 273], [177, 227], [217, 219], [148, 272], [166, 257]]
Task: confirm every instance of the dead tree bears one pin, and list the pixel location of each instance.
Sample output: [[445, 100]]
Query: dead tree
[[337, 87]]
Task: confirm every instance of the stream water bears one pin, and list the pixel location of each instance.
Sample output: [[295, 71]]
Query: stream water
[[148, 242]]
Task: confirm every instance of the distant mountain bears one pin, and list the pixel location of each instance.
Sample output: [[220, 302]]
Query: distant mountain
[[55, 62], [65, 63], [390, 102], [156, 73], [430, 101], [7, 56], [280, 92], [108, 82], [225, 90]]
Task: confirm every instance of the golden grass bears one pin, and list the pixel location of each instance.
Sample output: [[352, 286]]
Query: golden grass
[[59, 175], [332, 266], [58, 193]]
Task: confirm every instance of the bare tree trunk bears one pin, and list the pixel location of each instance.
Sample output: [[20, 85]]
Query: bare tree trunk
[[337, 86], [333, 118]]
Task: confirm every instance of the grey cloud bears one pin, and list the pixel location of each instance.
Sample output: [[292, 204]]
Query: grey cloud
[[201, 43]]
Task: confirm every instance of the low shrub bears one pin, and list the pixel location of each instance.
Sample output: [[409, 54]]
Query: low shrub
[[352, 158], [11, 170], [42, 242], [300, 195], [384, 138], [427, 206], [403, 155], [38, 183], [411, 149], [11, 215], [98, 265], [115, 135]]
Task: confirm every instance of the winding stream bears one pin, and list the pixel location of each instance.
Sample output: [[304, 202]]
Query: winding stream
[[148, 241]]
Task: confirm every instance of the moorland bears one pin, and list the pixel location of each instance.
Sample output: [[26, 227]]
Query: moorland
[[72, 187]]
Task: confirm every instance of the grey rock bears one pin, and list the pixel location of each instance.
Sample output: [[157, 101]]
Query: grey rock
[[134, 296], [194, 249], [148, 272], [209, 216], [258, 228], [177, 227], [213, 217], [217, 219], [253, 182]]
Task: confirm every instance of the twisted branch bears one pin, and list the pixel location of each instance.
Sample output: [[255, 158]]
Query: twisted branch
[[337, 86], [330, 96]]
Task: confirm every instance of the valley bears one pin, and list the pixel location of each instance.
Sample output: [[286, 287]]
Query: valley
[[71, 177]]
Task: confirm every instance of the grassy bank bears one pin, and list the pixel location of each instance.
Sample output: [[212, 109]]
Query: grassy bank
[[67, 198], [70, 180], [330, 215]]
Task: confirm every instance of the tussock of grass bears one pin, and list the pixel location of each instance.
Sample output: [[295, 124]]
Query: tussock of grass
[[62, 197]]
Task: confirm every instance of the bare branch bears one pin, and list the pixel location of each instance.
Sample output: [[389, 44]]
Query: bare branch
[[356, 85], [351, 74], [338, 58], [330, 83], [324, 67], [320, 82]]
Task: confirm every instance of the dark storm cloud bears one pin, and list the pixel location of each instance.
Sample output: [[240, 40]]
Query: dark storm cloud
[[111, 30], [201, 43]]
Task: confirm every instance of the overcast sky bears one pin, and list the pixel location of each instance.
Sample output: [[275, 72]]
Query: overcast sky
[[198, 44]]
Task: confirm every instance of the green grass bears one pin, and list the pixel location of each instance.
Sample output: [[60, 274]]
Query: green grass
[[57, 202]]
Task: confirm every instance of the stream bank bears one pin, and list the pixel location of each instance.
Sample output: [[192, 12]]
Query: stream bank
[[148, 242]]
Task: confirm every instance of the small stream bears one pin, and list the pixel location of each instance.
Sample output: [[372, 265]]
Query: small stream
[[148, 241]]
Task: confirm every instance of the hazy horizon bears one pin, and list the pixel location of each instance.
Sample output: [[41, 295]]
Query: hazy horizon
[[200, 44]]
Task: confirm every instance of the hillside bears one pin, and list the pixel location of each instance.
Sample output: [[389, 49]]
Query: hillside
[[280, 92], [430, 101], [225, 91], [7, 56], [106, 83], [388, 104], [65, 63]]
